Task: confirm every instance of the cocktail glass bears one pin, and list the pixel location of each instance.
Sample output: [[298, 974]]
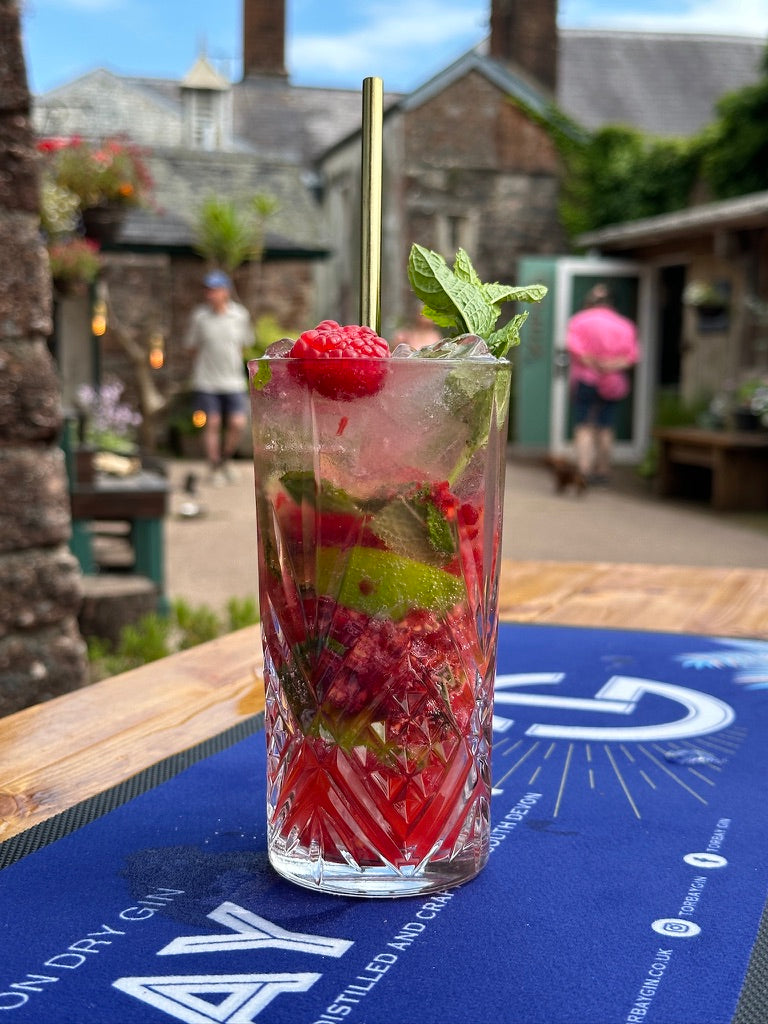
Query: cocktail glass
[[379, 523]]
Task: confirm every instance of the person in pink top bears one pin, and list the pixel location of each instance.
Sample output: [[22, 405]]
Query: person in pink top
[[602, 346]]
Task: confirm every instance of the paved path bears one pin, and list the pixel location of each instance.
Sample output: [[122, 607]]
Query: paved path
[[212, 558]]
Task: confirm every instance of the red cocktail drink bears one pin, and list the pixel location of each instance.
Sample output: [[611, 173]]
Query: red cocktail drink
[[379, 506]]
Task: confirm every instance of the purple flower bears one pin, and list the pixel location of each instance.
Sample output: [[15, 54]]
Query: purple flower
[[107, 417]]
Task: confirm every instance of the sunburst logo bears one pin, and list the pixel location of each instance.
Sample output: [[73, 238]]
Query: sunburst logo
[[609, 742]]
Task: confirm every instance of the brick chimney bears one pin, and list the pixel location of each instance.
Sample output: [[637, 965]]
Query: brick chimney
[[525, 34], [264, 38]]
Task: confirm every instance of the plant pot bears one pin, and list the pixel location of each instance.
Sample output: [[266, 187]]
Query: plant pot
[[103, 223], [712, 318], [69, 287]]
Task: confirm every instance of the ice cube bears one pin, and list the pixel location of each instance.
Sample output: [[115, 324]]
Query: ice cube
[[466, 346], [279, 349], [403, 351]]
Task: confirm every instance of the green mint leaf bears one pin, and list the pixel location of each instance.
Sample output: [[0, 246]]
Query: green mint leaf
[[346, 731], [262, 376], [463, 269], [439, 531], [502, 340], [429, 275], [440, 289], [458, 300], [295, 677], [439, 318], [497, 293], [415, 527], [301, 487], [330, 723], [471, 399]]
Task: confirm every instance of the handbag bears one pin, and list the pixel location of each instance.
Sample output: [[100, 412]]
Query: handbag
[[613, 386]]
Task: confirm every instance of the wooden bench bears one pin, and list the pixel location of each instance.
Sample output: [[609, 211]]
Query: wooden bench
[[736, 460], [142, 502]]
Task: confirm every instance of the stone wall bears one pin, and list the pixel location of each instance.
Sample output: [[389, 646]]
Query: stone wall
[[41, 651]]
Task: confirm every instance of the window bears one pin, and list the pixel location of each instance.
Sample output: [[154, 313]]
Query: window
[[203, 121], [207, 119]]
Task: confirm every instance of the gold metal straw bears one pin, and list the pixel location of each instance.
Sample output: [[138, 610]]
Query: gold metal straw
[[370, 206]]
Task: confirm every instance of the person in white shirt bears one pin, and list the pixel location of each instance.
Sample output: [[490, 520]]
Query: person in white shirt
[[219, 330]]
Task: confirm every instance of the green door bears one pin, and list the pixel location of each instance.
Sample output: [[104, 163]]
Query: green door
[[533, 360], [542, 415]]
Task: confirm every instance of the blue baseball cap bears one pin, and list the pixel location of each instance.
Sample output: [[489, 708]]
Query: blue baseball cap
[[217, 279]]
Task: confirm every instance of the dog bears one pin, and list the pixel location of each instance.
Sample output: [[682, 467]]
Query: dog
[[566, 475]]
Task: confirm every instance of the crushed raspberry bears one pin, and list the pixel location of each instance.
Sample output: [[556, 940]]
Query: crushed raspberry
[[319, 349], [440, 494]]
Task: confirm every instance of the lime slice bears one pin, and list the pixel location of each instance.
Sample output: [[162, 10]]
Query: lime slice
[[382, 583]]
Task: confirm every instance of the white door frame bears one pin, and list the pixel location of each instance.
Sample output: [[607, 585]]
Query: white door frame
[[642, 395]]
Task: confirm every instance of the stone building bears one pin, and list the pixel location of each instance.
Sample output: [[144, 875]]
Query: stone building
[[41, 651]]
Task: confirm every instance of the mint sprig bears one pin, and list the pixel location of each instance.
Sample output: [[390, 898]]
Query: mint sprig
[[458, 301]]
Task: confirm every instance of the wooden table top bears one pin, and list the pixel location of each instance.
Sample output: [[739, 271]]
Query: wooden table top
[[714, 438], [54, 755]]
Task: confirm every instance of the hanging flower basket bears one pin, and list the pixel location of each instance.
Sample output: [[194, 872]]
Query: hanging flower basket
[[74, 265], [114, 171], [711, 302]]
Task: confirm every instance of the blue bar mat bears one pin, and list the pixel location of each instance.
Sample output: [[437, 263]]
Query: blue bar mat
[[627, 879]]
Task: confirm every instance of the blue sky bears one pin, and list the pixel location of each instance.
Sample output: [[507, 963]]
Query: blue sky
[[329, 42]]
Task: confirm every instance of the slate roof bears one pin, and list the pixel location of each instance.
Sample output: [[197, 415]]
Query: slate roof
[[743, 212], [293, 123], [145, 230], [184, 178], [506, 76], [661, 84]]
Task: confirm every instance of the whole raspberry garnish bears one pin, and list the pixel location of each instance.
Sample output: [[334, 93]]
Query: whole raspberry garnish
[[319, 349]]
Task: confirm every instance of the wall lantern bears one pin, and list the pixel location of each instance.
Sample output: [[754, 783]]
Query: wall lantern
[[156, 350], [99, 318]]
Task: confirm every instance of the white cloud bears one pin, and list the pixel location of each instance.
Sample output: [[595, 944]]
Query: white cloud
[[396, 35], [720, 17]]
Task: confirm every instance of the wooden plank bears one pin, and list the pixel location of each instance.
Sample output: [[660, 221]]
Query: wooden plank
[[123, 503], [57, 753], [733, 439], [681, 599]]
